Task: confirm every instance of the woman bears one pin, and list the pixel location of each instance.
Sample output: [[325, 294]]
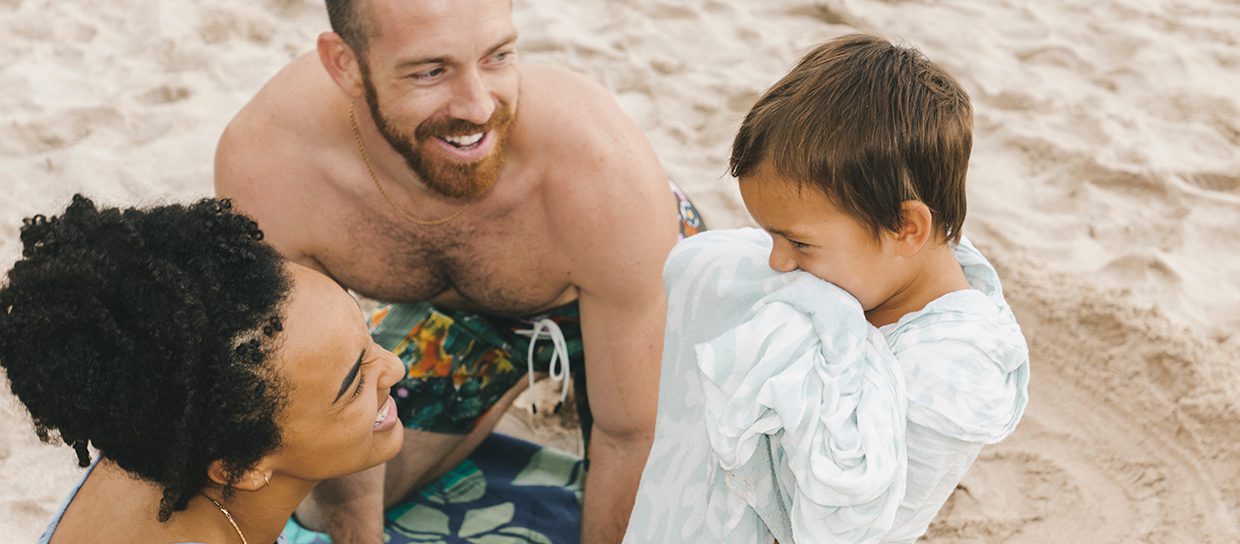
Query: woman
[[217, 382]]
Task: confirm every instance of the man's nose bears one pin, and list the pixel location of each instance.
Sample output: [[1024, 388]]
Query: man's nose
[[472, 101]]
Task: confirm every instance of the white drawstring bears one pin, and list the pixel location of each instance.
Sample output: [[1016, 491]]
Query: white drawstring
[[559, 366]]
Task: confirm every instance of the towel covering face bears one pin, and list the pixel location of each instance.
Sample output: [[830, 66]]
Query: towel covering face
[[784, 414]]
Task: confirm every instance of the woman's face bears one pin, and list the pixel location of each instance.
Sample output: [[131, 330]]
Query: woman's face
[[339, 418]]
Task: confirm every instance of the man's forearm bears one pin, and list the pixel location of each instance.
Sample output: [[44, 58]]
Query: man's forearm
[[349, 508], [611, 486]]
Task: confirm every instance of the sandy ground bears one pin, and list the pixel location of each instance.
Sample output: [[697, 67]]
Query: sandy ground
[[1105, 185]]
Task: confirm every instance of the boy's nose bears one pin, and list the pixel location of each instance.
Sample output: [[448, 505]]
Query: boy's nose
[[781, 261]]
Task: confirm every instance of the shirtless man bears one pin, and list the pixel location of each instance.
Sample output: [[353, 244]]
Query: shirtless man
[[415, 161]]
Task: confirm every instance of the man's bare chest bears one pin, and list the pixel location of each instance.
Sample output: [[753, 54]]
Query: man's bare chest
[[500, 264]]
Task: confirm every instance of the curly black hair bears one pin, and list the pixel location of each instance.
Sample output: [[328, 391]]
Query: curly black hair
[[147, 333]]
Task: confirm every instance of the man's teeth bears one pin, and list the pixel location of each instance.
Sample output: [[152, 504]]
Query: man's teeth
[[463, 141]]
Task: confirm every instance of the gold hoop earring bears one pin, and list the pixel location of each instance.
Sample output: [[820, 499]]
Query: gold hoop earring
[[267, 478]]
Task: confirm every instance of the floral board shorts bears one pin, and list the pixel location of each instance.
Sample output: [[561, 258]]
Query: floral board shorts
[[458, 363]]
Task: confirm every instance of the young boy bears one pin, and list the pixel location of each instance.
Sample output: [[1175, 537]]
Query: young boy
[[802, 410]]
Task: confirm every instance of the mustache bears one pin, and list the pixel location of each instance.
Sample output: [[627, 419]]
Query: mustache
[[459, 127]]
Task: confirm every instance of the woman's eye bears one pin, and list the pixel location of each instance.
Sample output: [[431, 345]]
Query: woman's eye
[[361, 382]]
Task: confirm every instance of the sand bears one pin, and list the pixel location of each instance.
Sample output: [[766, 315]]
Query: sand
[[1104, 186]]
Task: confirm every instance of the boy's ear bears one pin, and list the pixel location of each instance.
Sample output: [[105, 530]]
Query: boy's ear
[[341, 62], [916, 230], [253, 479]]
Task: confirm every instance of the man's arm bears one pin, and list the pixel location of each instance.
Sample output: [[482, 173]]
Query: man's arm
[[616, 219], [623, 370], [623, 309]]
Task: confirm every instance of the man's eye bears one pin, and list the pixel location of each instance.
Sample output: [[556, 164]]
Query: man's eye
[[429, 74]]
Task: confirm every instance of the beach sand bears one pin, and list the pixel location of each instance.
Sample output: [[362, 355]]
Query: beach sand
[[1105, 186]]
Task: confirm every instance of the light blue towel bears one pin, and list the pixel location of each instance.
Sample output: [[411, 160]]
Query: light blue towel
[[783, 413]]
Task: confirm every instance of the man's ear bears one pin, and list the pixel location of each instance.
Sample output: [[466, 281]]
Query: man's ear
[[341, 62], [252, 480], [916, 229]]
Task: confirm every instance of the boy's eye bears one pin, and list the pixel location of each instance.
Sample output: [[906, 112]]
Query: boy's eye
[[798, 245]]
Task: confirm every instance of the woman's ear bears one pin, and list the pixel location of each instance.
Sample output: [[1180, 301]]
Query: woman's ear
[[341, 62], [916, 228], [252, 480]]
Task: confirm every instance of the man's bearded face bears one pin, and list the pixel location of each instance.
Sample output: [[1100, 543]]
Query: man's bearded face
[[434, 165]]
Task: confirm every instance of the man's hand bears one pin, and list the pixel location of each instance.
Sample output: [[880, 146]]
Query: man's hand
[[349, 508]]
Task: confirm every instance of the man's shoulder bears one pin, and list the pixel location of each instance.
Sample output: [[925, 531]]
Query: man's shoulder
[[559, 89], [580, 131], [570, 111], [289, 104], [611, 196], [269, 154]]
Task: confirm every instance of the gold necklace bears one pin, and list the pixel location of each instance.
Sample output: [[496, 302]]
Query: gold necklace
[[229, 516], [361, 149]]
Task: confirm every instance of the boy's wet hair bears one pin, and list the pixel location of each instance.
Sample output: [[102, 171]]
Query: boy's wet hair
[[872, 125]]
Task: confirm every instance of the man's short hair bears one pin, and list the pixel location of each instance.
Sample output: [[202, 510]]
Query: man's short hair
[[872, 125], [349, 21]]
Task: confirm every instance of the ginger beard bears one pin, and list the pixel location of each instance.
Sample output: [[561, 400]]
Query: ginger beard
[[443, 174]]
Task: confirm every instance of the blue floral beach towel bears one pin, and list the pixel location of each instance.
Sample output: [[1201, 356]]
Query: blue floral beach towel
[[509, 491]]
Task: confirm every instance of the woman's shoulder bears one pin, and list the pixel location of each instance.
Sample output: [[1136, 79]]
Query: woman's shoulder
[[46, 537]]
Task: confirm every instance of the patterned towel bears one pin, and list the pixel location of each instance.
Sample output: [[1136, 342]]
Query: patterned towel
[[784, 414], [508, 491], [781, 410]]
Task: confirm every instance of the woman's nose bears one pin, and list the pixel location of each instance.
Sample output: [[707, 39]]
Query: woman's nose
[[393, 370]]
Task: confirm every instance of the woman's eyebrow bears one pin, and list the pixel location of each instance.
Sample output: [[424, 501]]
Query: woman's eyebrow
[[352, 375]]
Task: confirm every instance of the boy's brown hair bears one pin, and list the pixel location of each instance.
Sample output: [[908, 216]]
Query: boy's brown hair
[[870, 124]]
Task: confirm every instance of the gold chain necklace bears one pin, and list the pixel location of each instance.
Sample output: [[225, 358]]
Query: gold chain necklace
[[361, 149], [230, 518]]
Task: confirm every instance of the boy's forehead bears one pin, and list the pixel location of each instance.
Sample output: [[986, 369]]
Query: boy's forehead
[[771, 185], [774, 203], [784, 205]]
